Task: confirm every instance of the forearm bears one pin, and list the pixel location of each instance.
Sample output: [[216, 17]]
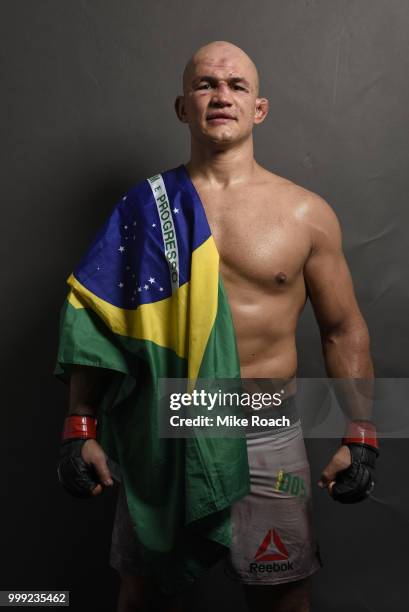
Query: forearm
[[347, 353], [84, 469], [348, 359], [87, 387]]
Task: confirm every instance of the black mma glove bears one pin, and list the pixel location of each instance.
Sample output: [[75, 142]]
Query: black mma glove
[[76, 476], [356, 482]]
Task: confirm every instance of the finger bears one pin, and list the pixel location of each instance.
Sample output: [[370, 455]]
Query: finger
[[339, 462], [104, 475], [326, 477], [97, 490], [329, 473], [92, 453], [326, 483]]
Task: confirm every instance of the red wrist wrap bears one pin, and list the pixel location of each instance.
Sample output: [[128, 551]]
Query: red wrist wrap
[[361, 432], [76, 426]]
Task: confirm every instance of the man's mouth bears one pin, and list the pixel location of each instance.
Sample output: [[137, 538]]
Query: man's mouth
[[220, 117]]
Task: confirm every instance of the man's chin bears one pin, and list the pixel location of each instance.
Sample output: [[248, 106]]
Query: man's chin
[[220, 138]]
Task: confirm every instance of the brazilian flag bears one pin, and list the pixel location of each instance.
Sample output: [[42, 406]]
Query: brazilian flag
[[147, 302]]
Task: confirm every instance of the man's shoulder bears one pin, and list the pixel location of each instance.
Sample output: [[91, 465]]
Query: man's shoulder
[[142, 183], [306, 203]]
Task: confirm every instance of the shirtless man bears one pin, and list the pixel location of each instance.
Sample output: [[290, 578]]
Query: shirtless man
[[279, 244]]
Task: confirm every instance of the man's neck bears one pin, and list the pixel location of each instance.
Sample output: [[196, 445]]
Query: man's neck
[[222, 168]]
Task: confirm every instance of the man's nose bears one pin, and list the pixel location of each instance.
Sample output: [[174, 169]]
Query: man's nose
[[222, 95]]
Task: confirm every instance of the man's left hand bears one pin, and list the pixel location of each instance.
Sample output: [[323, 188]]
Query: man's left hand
[[349, 476]]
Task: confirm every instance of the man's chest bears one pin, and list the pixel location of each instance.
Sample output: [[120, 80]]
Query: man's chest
[[257, 238]]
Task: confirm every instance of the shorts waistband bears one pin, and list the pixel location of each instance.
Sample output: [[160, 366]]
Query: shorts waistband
[[286, 409]]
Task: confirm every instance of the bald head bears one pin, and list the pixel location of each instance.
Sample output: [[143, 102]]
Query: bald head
[[221, 54]]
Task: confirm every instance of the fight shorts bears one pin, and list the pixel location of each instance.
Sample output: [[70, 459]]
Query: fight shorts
[[273, 540]]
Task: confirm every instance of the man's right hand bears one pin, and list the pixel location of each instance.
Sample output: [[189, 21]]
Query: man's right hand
[[82, 469]]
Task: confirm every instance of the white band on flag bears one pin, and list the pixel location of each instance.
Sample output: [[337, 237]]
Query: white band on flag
[[169, 237]]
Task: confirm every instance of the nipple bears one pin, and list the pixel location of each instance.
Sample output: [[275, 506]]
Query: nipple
[[281, 278]]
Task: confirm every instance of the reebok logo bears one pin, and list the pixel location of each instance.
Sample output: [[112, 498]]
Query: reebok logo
[[261, 568], [271, 549]]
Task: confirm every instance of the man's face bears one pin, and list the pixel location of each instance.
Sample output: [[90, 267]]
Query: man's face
[[220, 101]]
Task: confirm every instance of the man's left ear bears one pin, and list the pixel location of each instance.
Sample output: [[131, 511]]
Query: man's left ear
[[180, 109], [261, 110]]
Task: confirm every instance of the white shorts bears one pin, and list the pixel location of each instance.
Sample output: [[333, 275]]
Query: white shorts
[[273, 540], [272, 535]]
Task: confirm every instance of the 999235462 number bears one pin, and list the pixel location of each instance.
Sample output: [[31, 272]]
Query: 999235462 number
[[35, 598]]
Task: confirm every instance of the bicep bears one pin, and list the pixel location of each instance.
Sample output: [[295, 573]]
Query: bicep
[[328, 279]]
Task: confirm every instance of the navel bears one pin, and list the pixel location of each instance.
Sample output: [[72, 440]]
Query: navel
[[281, 278]]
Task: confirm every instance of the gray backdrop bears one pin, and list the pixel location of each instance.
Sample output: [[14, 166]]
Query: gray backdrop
[[87, 111]]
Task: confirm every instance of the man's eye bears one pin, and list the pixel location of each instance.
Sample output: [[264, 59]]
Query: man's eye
[[239, 87], [204, 86]]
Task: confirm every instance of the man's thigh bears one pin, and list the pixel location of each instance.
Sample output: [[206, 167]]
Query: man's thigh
[[138, 594], [133, 593], [289, 597], [138, 590]]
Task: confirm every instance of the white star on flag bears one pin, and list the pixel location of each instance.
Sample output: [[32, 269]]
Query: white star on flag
[[139, 288], [124, 198], [120, 285], [134, 223], [121, 249], [151, 280], [128, 267], [176, 210], [160, 288], [153, 224], [146, 286], [125, 227]]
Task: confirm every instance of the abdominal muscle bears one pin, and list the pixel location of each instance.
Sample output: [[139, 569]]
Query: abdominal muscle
[[265, 321]]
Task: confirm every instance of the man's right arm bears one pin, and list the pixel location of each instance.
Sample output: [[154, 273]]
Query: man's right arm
[[87, 387]]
